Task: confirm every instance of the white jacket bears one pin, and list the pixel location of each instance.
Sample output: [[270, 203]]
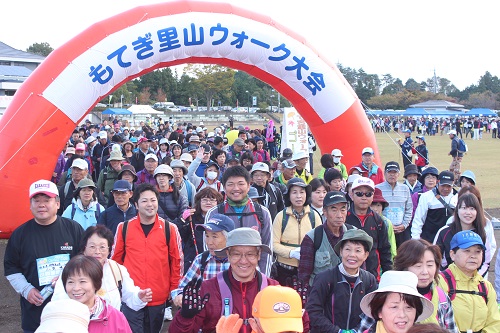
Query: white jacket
[[109, 290]]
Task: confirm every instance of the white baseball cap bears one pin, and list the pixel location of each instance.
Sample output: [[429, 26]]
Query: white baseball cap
[[363, 181], [80, 164], [336, 152], [368, 150], [103, 135], [259, 166], [153, 156], [43, 186]]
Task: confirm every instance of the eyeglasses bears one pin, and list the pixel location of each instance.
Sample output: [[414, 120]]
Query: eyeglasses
[[100, 248], [208, 200], [366, 194], [249, 256]]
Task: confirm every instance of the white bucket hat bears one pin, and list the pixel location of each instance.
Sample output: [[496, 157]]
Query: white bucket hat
[[401, 282], [65, 315]]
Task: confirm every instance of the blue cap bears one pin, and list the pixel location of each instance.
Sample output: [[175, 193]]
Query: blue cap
[[407, 131], [465, 239], [122, 186], [217, 222], [192, 148]]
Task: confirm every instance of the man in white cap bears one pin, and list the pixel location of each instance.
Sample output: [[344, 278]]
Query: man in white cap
[[361, 216], [146, 175], [301, 171], [97, 151], [272, 197], [79, 169], [231, 291], [368, 166], [337, 164], [137, 159], [38, 250]]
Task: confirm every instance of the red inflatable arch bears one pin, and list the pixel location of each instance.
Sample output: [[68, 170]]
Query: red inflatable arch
[[59, 93]]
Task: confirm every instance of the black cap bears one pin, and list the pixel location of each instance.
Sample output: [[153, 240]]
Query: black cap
[[392, 166], [333, 198], [446, 178], [411, 169], [287, 153], [210, 163], [207, 148]]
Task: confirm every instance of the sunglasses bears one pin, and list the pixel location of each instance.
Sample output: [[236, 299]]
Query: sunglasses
[[366, 194]]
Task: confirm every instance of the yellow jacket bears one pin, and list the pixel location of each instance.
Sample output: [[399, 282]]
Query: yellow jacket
[[471, 311], [292, 235]]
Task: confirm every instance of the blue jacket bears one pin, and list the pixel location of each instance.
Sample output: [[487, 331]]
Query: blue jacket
[[113, 216]]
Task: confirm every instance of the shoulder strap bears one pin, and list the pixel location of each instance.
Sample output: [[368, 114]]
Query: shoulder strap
[[446, 206], [200, 185], [441, 295], [73, 210], [452, 285], [225, 293], [258, 212], [312, 217], [203, 262], [124, 237], [167, 232], [66, 188], [117, 274], [284, 221], [189, 191], [318, 237], [97, 211]]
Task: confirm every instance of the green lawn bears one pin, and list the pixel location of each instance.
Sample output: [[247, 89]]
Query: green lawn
[[482, 158]]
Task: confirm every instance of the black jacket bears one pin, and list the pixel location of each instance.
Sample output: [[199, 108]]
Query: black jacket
[[332, 305], [113, 215], [380, 255]]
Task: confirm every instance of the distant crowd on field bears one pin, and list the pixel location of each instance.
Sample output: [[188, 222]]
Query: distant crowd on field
[[222, 231], [464, 126]]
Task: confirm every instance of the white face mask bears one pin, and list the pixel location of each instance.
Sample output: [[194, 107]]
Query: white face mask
[[211, 175], [336, 160]]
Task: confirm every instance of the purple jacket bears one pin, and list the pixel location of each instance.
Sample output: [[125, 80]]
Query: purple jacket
[[145, 177], [59, 168]]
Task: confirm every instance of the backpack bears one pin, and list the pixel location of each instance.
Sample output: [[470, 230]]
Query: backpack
[[257, 212], [284, 223], [203, 262], [452, 287], [97, 211], [124, 236], [462, 146], [225, 290]]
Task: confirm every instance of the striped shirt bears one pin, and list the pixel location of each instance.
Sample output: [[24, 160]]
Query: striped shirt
[[213, 266]]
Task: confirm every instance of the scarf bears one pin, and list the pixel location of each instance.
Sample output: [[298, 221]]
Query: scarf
[[240, 204]]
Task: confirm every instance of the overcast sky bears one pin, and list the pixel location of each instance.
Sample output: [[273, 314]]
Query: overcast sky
[[407, 39]]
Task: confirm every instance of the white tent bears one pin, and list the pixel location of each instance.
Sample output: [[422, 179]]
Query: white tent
[[143, 109]]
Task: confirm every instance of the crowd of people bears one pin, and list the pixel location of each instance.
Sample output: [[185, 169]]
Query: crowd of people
[[474, 126], [174, 222]]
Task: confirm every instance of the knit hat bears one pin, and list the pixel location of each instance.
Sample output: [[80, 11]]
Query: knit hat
[[64, 316]]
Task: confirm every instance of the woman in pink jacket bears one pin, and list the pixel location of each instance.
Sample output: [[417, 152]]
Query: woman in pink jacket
[[82, 279]]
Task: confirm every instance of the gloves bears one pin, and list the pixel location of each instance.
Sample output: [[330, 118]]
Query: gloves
[[295, 253], [299, 286], [186, 214], [192, 303]]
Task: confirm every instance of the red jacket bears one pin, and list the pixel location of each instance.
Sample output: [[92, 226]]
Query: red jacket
[[146, 258], [243, 297], [376, 173]]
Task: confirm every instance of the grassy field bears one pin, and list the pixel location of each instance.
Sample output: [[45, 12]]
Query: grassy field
[[482, 159]]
